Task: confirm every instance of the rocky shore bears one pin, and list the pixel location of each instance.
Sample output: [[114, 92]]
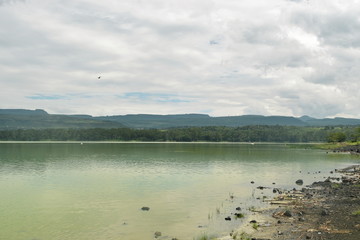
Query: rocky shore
[[324, 210], [353, 149]]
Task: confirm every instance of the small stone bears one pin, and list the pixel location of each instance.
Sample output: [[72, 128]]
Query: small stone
[[145, 208], [253, 221], [252, 182], [324, 212], [287, 213], [299, 182], [308, 237], [228, 218], [301, 219], [157, 234], [280, 233], [238, 209]]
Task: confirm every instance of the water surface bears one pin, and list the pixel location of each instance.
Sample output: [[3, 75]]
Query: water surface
[[92, 191]]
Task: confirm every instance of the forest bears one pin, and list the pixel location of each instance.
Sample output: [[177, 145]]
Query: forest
[[255, 133]]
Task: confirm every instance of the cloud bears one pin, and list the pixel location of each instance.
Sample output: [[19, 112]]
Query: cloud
[[46, 97], [275, 57], [154, 97], [4, 2]]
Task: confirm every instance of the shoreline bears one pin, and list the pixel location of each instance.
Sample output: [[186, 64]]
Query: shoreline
[[327, 209]]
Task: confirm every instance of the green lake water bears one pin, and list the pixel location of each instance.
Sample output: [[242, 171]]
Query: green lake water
[[95, 191]]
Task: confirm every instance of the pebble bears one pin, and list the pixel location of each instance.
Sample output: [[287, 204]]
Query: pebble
[[157, 234], [287, 213]]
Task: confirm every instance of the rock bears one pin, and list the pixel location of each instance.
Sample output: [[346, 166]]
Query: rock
[[253, 221], [228, 218], [157, 234], [287, 213], [252, 182], [145, 208], [308, 237], [238, 209], [239, 215], [301, 219], [299, 182], [324, 212]]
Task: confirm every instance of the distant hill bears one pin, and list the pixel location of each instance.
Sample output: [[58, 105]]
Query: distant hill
[[37, 119]]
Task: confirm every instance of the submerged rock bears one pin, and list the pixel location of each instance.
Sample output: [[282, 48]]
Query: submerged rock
[[239, 215], [145, 208], [299, 182]]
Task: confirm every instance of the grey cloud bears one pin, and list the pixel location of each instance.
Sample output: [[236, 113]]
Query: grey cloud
[[264, 34], [333, 28], [3, 2]]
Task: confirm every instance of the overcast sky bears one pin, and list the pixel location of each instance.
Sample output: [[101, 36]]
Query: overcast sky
[[218, 57]]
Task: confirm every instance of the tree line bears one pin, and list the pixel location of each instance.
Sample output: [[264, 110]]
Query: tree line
[[191, 134]]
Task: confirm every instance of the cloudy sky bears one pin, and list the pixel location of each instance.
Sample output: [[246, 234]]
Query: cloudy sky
[[218, 57]]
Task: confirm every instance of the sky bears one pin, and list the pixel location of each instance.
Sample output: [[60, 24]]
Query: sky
[[216, 57]]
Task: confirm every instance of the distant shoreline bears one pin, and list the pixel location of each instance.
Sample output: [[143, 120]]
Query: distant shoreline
[[166, 142]]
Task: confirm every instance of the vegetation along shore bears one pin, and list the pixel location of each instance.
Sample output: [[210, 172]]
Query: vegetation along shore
[[253, 133]]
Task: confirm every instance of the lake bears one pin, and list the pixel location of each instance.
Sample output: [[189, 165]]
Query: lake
[[95, 191]]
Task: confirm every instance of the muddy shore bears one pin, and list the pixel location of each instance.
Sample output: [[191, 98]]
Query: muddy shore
[[323, 210]]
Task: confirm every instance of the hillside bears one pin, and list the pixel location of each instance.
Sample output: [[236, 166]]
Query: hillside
[[40, 119]]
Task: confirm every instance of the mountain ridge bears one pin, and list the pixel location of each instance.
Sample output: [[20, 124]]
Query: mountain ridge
[[39, 118]]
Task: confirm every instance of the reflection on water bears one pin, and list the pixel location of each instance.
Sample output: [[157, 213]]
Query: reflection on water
[[96, 190]]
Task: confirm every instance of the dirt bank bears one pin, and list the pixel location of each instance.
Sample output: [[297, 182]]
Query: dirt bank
[[324, 210]]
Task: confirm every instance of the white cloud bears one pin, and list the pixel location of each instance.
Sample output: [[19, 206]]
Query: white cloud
[[275, 57]]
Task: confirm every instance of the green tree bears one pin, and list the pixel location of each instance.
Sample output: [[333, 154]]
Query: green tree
[[336, 137]]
